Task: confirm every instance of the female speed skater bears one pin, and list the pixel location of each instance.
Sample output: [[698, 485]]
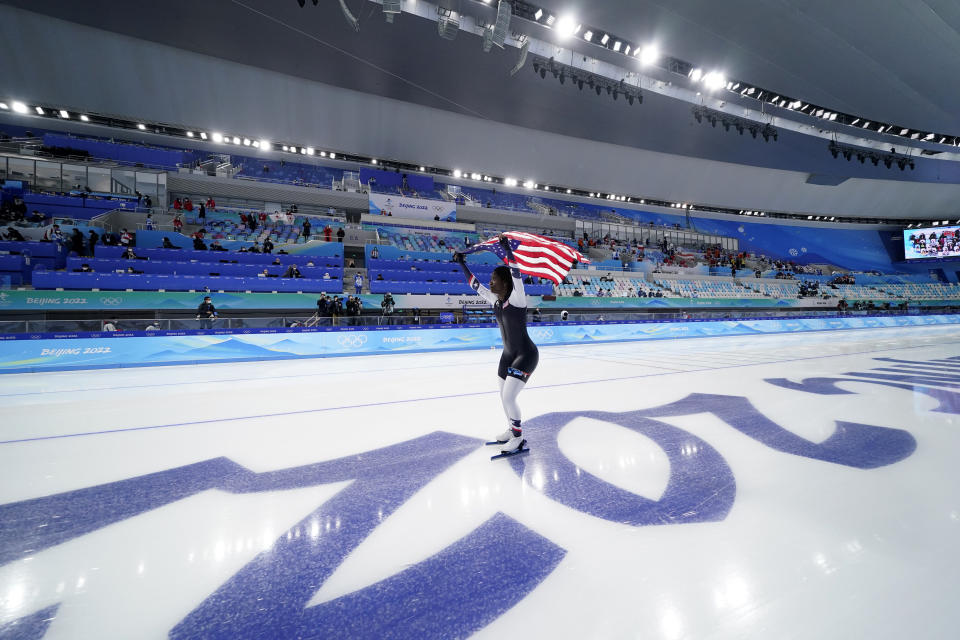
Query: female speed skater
[[520, 355]]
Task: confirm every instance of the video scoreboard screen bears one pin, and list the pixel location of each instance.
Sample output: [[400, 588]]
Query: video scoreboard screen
[[935, 242]]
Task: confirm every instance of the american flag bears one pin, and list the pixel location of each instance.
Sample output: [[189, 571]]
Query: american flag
[[535, 255]]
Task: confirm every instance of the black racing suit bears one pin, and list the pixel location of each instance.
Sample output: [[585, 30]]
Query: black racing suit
[[520, 355]]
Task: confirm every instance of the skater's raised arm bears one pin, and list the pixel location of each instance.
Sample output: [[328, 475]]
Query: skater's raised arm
[[518, 296], [484, 293]]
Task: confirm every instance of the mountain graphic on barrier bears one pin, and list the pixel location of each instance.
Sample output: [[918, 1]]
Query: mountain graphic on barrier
[[456, 340], [228, 348]]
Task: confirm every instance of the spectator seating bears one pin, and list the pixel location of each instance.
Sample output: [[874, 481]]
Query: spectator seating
[[44, 279], [420, 239], [209, 268], [408, 276], [184, 255], [618, 288], [48, 254], [12, 269]]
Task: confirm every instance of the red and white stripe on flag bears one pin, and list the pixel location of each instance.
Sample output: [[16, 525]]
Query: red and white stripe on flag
[[542, 257]]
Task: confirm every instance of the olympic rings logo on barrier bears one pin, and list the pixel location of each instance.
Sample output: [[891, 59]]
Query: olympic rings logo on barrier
[[111, 301], [352, 339], [541, 334]]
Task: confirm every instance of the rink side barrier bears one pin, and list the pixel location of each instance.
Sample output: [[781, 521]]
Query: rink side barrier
[[22, 353]]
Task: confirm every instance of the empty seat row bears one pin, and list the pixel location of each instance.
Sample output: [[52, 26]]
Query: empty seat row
[[106, 265], [188, 255], [43, 279]]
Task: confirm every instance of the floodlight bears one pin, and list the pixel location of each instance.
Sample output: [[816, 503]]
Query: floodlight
[[649, 54], [217, 137], [189, 133], [457, 173], [696, 74], [264, 145], [588, 36], [64, 113], [3, 105], [84, 118], [40, 110], [605, 39], [310, 151], [141, 126], [566, 26], [203, 136], [246, 142]]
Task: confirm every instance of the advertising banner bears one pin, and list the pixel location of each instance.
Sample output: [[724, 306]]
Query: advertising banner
[[126, 350], [418, 208]]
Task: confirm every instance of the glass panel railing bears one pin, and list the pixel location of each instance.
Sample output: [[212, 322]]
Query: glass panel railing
[[190, 323]]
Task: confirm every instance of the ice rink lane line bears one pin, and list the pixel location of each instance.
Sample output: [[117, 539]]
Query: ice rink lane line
[[454, 395]]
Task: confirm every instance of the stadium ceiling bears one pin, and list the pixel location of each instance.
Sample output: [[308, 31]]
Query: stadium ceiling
[[891, 61], [896, 64]]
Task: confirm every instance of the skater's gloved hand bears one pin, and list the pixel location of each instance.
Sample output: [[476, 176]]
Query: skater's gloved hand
[[504, 241], [458, 257]]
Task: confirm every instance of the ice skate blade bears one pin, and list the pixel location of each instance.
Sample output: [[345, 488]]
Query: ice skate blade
[[516, 452], [496, 442]]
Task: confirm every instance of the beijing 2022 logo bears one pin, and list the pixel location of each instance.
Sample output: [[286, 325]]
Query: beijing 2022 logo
[[268, 597]]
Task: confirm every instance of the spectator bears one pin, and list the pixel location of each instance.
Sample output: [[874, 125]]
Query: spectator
[[306, 230], [374, 254], [387, 305], [152, 326], [177, 205], [326, 275], [36, 217], [177, 223], [92, 240], [125, 238], [187, 204], [53, 234], [327, 233], [211, 204], [292, 272], [536, 314], [267, 245], [216, 246], [263, 274], [148, 223], [340, 234], [323, 308], [276, 261], [128, 254], [198, 243], [15, 236], [76, 242], [167, 244], [85, 268], [147, 202], [111, 325], [358, 283], [206, 313]]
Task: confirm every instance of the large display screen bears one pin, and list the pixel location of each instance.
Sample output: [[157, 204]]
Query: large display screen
[[935, 242]]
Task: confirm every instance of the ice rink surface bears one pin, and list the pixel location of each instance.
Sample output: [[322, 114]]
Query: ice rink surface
[[792, 486]]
